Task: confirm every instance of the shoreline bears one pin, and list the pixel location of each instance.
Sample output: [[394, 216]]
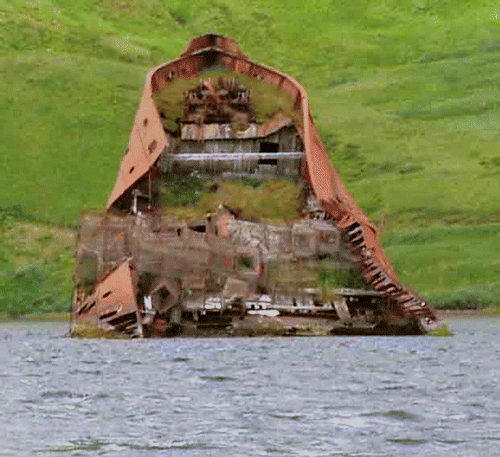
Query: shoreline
[[444, 313], [48, 317]]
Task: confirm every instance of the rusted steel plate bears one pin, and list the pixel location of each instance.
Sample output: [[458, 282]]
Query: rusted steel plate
[[116, 292]]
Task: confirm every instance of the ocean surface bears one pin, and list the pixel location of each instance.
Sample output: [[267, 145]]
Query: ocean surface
[[335, 396]]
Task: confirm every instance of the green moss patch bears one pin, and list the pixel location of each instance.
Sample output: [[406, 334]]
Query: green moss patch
[[268, 99], [274, 201], [442, 330], [91, 330]]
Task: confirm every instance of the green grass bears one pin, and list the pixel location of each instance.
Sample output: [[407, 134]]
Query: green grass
[[406, 95], [62, 125], [36, 265], [273, 201], [455, 267]]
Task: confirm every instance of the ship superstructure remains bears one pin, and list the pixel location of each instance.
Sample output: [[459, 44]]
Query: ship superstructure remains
[[157, 262]]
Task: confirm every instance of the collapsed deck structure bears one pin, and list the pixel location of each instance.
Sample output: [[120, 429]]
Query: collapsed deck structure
[[183, 243]]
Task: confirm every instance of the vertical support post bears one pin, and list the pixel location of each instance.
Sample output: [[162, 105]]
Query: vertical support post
[[149, 189]]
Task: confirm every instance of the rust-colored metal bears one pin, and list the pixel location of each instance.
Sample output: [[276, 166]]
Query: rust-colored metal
[[113, 304], [149, 140]]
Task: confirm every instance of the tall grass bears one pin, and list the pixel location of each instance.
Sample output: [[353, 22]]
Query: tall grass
[[456, 267], [36, 264]]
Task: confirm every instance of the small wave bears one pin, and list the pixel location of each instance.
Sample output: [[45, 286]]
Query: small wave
[[102, 396], [59, 394], [401, 416], [408, 441], [75, 446], [78, 371], [217, 378], [393, 388], [290, 416], [451, 441]]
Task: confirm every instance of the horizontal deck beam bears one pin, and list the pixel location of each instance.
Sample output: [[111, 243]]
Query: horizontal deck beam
[[231, 156]]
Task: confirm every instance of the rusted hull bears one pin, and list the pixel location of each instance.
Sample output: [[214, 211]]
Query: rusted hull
[[150, 145]]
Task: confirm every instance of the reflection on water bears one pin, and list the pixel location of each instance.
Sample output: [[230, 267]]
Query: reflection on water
[[338, 396]]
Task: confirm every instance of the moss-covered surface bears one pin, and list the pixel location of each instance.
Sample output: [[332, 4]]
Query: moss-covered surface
[[268, 99], [180, 190], [91, 330], [273, 201], [442, 330]]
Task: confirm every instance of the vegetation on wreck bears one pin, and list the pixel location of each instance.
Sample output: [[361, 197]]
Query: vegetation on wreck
[[320, 275], [191, 198], [268, 99], [91, 330], [442, 330]]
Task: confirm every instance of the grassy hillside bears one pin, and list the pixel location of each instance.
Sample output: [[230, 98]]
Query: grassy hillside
[[406, 94]]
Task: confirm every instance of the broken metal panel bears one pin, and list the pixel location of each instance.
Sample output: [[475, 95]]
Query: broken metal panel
[[112, 305], [84, 307], [165, 295], [230, 131], [147, 142], [116, 292]]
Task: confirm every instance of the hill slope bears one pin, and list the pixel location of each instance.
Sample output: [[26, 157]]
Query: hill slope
[[406, 94]]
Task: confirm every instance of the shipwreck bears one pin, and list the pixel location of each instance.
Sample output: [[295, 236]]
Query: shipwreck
[[227, 218]]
